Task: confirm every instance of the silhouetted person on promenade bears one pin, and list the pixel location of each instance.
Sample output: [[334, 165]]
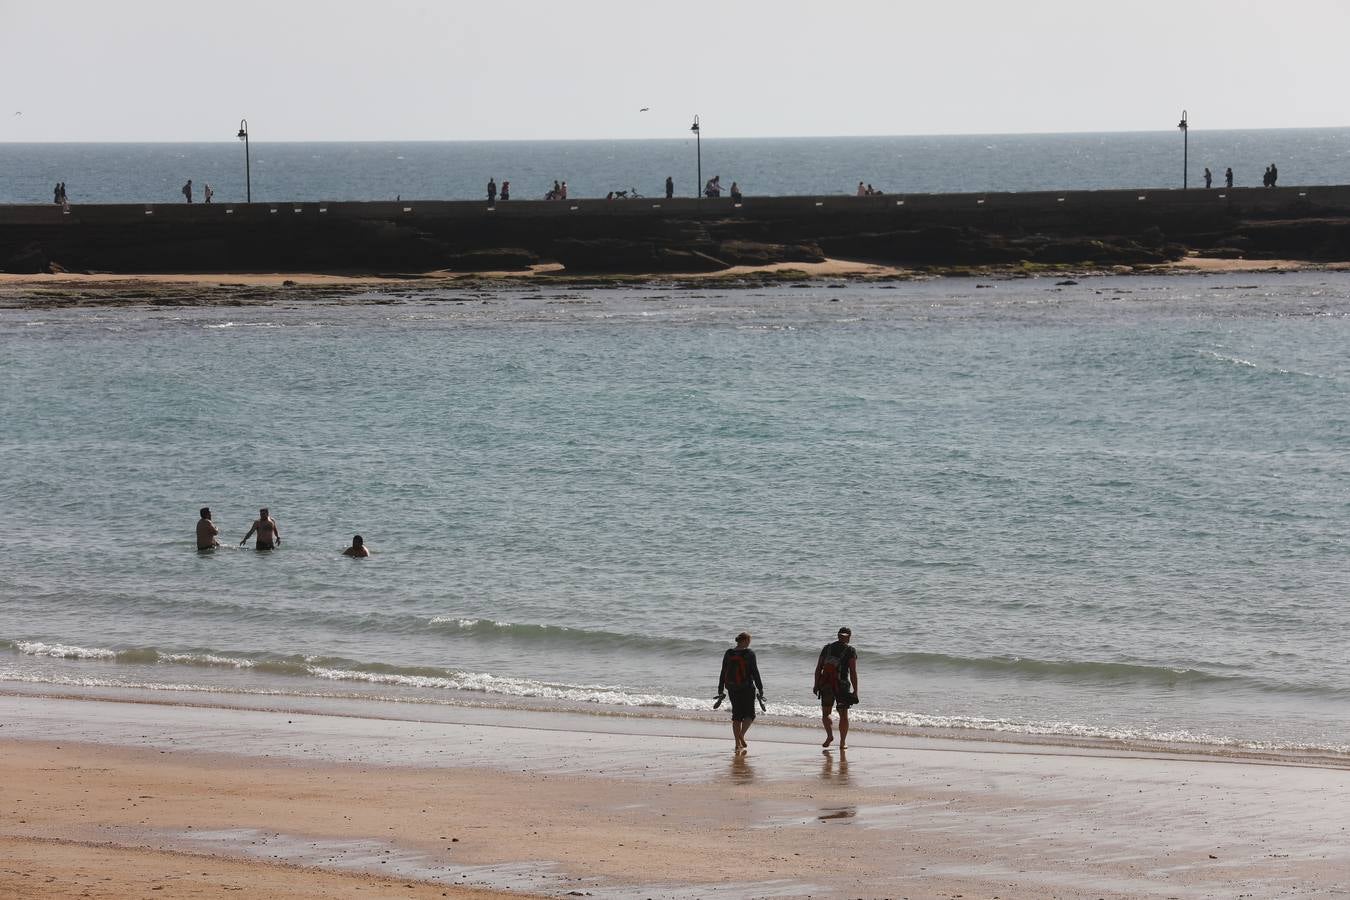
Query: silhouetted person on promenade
[[56, 193], [207, 193], [187, 190], [1228, 176], [670, 187], [735, 192], [492, 191], [1209, 178], [506, 190], [1274, 174]]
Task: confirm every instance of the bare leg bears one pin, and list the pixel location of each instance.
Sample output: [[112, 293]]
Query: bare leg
[[829, 726], [745, 726], [736, 732], [843, 726]]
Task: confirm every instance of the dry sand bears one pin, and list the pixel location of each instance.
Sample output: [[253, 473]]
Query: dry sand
[[126, 798]]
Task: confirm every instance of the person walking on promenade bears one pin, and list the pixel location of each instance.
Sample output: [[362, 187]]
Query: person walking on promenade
[[1209, 178], [836, 684], [187, 190], [562, 194], [670, 188], [862, 189], [56, 193], [735, 192], [207, 531], [207, 193], [1274, 174], [492, 191], [740, 678], [269, 535], [1228, 177], [506, 190]]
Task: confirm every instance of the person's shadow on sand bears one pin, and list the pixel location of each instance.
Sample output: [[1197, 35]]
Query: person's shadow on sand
[[741, 770], [827, 767]]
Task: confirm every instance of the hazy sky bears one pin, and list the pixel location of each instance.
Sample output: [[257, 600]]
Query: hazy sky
[[188, 70]]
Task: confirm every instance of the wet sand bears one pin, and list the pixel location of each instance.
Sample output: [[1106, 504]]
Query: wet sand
[[148, 795]]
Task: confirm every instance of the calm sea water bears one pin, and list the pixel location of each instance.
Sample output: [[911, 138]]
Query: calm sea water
[[135, 173], [1115, 508]]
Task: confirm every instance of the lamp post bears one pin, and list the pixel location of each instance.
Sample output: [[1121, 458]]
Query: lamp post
[[1185, 148], [698, 144], [248, 175]]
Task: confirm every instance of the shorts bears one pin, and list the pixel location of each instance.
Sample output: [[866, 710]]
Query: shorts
[[843, 701], [742, 704]]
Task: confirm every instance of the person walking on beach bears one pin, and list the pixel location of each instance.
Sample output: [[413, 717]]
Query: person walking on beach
[[506, 190], [187, 190], [1274, 174], [358, 548], [207, 531], [492, 191], [1228, 177], [735, 192], [740, 678], [836, 670], [269, 535], [1209, 178], [207, 193], [670, 188]]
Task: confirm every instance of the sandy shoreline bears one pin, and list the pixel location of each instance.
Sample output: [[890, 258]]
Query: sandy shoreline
[[234, 289], [149, 795]]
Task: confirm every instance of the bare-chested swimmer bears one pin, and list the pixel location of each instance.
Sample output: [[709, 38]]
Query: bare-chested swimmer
[[269, 535], [207, 531], [358, 548]]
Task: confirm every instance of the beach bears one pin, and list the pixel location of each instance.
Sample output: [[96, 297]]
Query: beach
[[1087, 530], [123, 798]]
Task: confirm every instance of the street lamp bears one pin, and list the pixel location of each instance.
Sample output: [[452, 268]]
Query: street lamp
[[698, 144], [1185, 147], [248, 175]]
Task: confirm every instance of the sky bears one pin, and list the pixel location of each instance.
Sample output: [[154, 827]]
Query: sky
[[350, 70]]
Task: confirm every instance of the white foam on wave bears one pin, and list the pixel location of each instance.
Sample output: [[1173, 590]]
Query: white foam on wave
[[602, 695], [63, 651], [467, 624]]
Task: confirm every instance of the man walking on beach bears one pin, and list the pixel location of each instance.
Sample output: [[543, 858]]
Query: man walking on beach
[[207, 531], [836, 670], [740, 678], [269, 535]]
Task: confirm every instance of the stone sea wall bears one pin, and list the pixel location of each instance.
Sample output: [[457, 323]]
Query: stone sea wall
[[682, 235]]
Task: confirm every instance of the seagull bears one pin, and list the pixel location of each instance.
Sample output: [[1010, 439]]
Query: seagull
[[644, 109]]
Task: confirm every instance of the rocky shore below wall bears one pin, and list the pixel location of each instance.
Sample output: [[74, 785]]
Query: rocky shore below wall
[[1083, 228]]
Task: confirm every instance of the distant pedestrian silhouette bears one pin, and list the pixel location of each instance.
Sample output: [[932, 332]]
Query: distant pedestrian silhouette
[[670, 187], [492, 191], [1228, 176], [207, 193], [187, 190], [1209, 177], [506, 190]]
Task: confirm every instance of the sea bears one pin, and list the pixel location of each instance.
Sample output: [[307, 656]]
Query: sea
[[1076, 509], [459, 170]]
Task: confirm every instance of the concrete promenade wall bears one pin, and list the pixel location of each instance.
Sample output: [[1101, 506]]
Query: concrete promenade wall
[[1258, 202]]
